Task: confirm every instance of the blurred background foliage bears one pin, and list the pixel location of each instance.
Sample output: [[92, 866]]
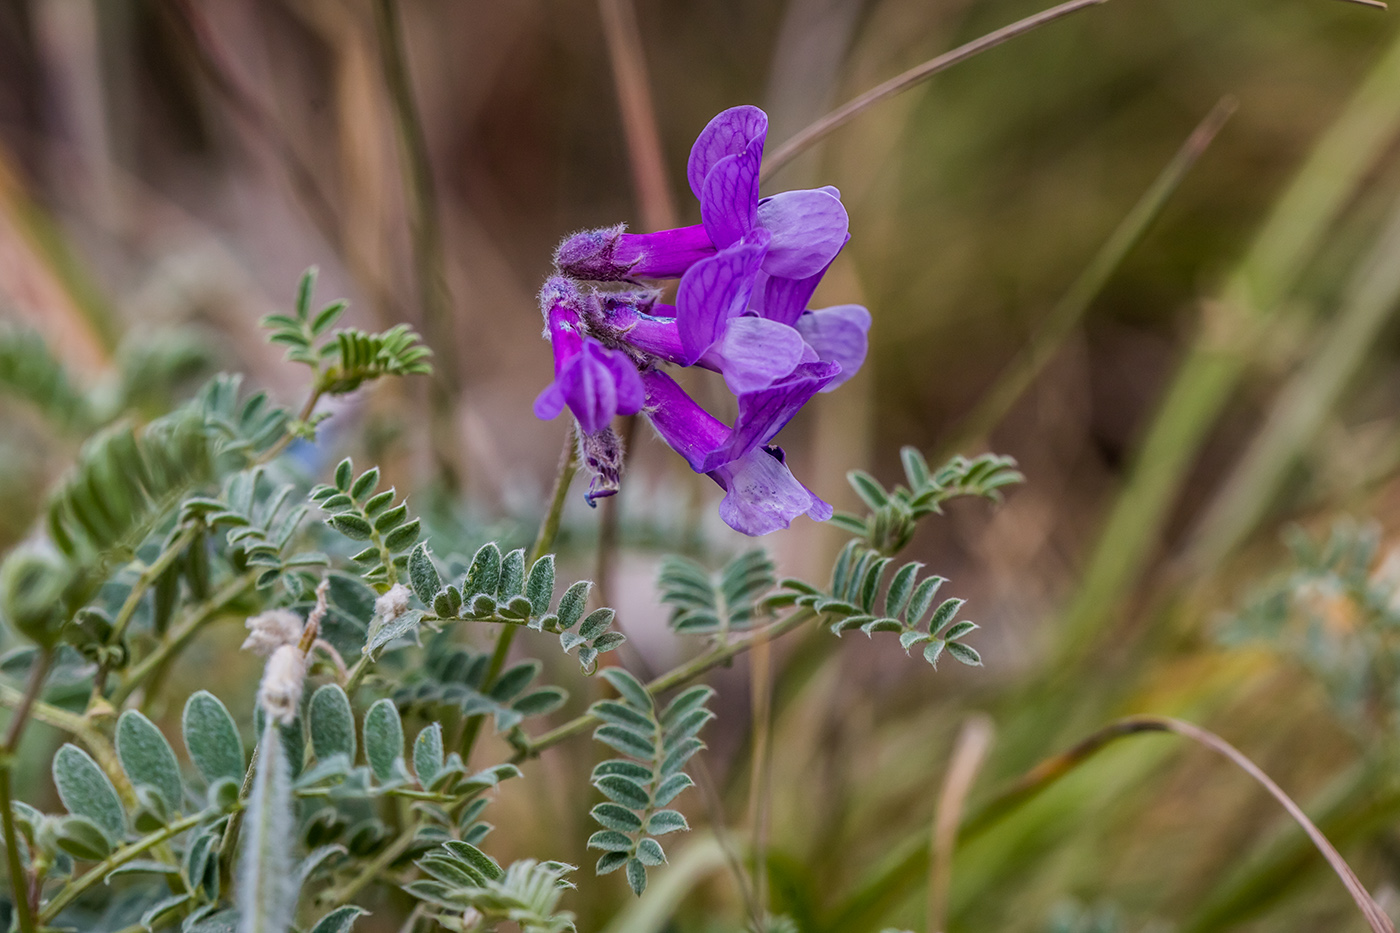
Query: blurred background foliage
[[168, 168]]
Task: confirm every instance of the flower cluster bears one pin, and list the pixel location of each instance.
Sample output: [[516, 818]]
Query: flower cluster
[[746, 275]]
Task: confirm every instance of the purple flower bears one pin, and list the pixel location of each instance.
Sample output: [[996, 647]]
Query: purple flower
[[807, 227], [761, 494], [595, 382]]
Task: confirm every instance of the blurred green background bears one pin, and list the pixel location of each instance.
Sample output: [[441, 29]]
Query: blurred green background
[[169, 167]]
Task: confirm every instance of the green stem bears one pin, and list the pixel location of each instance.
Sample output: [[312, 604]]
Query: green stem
[[344, 894], [105, 867], [182, 634], [19, 883], [146, 580], [693, 668], [544, 540]]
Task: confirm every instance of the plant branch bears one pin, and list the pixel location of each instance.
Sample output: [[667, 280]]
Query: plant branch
[[19, 886], [114, 861], [841, 115], [717, 655]]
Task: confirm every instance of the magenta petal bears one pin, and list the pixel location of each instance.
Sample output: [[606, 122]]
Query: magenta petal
[[729, 133], [762, 495], [715, 290], [753, 353], [588, 388], [839, 335], [687, 428], [549, 403], [809, 229], [627, 383], [765, 412], [729, 197]]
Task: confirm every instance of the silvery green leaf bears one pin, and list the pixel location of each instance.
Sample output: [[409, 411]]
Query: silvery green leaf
[[144, 866], [514, 680], [597, 622], [423, 575], [485, 571], [572, 603], [677, 755], [623, 790], [609, 841], [650, 852], [960, 629], [164, 909], [672, 786], [382, 633], [621, 713], [339, 920], [540, 702], [147, 758], [365, 484], [901, 588], [636, 876], [379, 502], [934, 650], [910, 638], [393, 518], [343, 473], [317, 858], [915, 469], [944, 615], [629, 687], [608, 641], [403, 536], [964, 654], [332, 723], [869, 489], [477, 859], [924, 595], [628, 741], [352, 526], [666, 821], [211, 920], [512, 575], [539, 588], [610, 862], [86, 791], [586, 658], [427, 754], [622, 768], [383, 739], [614, 817], [570, 640], [81, 838]]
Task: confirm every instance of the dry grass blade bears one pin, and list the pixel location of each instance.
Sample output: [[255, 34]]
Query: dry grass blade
[[1376, 4], [1052, 769], [1067, 312], [790, 149], [974, 740]]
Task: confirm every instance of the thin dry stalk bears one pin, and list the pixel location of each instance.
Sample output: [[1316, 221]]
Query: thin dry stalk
[[760, 777], [970, 751], [919, 73]]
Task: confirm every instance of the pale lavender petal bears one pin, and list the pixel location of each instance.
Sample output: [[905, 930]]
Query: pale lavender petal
[[729, 197], [690, 431], [764, 412], [762, 495], [715, 290], [809, 229], [729, 133], [839, 335], [609, 254], [785, 299], [753, 353], [549, 403], [627, 383]]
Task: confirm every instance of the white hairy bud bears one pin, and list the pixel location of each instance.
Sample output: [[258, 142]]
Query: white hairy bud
[[280, 693], [270, 630], [393, 603]]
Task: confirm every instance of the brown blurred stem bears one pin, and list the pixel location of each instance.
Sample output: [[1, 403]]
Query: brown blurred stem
[[974, 739], [19, 883], [1061, 321], [429, 263], [919, 73]]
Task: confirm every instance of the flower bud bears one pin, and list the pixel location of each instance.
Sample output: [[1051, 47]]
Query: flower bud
[[280, 692], [33, 581], [268, 631], [602, 453]]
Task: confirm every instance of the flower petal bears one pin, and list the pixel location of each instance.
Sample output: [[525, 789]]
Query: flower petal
[[690, 431], [715, 290], [627, 383], [809, 229], [839, 335], [785, 299], [729, 133], [764, 412], [729, 196], [549, 403], [753, 353], [588, 388], [762, 495]]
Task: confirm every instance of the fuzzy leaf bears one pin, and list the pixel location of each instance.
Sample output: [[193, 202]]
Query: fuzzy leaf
[[539, 588], [339, 920], [572, 603], [427, 754], [383, 739], [86, 791], [332, 723], [423, 575], [148, 759]]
